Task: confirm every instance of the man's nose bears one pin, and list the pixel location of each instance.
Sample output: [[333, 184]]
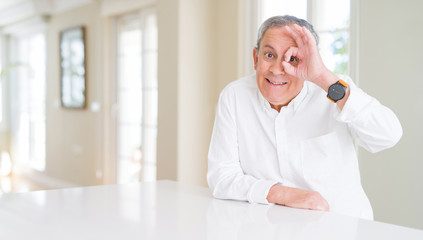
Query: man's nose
[[277, 68]]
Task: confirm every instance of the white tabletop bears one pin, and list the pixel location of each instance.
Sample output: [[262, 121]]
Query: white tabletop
[[171, 210]]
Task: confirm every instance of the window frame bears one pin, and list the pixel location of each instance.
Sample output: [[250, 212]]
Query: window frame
[[11, 34], [112, 163], [28, 160], [4, 125]]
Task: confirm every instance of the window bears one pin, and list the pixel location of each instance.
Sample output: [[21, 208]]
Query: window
[[1, 95], [136, 97], [330, 18], [271, 8], [2, 85], [27, 100]]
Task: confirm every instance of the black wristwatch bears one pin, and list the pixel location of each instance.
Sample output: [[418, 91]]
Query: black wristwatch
[[337, 90]]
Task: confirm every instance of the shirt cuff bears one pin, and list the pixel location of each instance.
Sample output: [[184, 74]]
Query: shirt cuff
[[356, 103], [259, 191]]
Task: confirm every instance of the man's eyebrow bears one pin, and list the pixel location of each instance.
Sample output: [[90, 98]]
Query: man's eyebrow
[[267, 45]]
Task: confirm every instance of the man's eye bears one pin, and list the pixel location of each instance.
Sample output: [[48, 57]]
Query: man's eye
[[293, 59], [268, 55]]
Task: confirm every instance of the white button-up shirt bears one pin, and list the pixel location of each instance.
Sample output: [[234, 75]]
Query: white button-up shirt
[[309, 144]]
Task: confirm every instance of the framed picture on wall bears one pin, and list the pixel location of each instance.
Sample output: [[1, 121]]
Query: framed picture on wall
[[72, 65]]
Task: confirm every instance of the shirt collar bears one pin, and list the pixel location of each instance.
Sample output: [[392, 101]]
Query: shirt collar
[[294, 104]]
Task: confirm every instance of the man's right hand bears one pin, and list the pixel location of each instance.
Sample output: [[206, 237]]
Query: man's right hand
[[297, 198]]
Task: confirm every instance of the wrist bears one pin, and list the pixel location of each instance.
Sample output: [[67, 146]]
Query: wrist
[[277, 194], [325, 80]]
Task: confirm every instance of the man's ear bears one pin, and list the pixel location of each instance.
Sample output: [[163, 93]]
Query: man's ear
[[255, 58]]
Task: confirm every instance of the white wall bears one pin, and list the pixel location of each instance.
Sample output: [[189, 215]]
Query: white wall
[[196, 86], [198, 50], [74, 137], [229, 48], [168, 77], [391, 60]]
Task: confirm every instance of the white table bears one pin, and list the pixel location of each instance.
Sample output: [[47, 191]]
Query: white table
[[171, 210]]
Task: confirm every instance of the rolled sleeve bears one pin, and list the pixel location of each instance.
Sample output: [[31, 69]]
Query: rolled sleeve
[[374, 126], [357, 102], [259, 191]]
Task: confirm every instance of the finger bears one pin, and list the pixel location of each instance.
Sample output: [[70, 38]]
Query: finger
[[291, 52], [311, 43], [308, 37], [300, 32], [321, 207], [288, 68], [294, 34], [287, 64]]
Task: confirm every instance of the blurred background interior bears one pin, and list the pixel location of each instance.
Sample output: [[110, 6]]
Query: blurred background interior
[[114, 91]]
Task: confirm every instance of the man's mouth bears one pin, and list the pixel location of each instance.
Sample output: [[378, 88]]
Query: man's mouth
[[275, 83]]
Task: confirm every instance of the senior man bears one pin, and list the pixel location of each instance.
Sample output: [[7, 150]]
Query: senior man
[[286, 134]]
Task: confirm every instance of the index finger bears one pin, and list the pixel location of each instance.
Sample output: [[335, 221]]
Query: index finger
[[295, 33], [308, 37]]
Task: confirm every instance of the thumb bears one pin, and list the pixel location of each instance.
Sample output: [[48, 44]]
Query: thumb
[[289, 68]]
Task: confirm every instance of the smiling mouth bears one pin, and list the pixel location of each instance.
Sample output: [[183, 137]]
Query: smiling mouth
[[274, 83]]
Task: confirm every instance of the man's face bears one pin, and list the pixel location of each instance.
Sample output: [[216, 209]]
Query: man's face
[[278, 87]]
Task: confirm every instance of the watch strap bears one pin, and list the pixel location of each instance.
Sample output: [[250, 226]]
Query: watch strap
[[340, 81]]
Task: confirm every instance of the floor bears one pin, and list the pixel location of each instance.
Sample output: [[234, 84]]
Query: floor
[[15, 183]]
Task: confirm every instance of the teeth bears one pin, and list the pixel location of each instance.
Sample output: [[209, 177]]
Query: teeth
[[282, 83]]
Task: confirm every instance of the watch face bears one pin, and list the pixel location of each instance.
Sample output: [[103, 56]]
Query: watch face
[[336, 92]]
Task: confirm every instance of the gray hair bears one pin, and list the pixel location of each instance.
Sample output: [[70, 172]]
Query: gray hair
[[280, 21]]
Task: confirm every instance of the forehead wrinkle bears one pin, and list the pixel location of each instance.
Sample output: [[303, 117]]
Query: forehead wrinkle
[[278, 35], [275, 50]]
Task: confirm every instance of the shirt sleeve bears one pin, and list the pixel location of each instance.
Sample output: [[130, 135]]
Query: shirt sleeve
[[374, 126], [225, 176]]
